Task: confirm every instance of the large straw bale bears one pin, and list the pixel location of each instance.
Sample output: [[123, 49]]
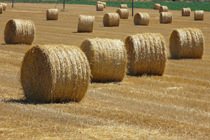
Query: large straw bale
[[123, 13], [157, 6], [52, 14], [111, 19], [146, 54], [4, 6], [107, 59], [55, 73], [163, 9], [186, 11], [141, 18], [99, 7], [124, 6], [18, 31], [165, 17], [186, 43], [1, 9], [85, 23], [199, 15]]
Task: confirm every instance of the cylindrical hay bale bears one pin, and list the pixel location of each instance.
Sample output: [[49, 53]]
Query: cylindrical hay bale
[[163, 9], [199, 15], [107, 59], [157, 6], [99, 7], [146, 54], [18, 31], [124, 13], [104, 3], [52, 14], [4, 6], [85, 23], [111, 19], [124, 6], [1, 9], [186, 11], [186, 43], [55, 73], [165, 17], [141, 19]]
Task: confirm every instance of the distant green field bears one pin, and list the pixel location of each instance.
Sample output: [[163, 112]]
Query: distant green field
[[147, 5]]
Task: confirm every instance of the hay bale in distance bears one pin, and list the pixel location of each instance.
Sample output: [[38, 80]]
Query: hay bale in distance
[[55, 73], [19, 31], [4, 6], [146, 54], [85, 23], [111, 19], [107, 59], [186, 11], [156, 6], [123, 13], [165, 17], [199, 15], [99, 7], [124, 6], [1, 9], [141, 19], [163, 9], [52, 14], [186, 43], [103, 3]]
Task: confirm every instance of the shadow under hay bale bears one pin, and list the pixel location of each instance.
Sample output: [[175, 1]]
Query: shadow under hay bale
[[52, 14], [55, 73], [85, 23], [186, 43], [107, 59], [146, 54], [18, 31]]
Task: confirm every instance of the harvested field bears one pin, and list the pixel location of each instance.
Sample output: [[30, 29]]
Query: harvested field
[[175, 106]]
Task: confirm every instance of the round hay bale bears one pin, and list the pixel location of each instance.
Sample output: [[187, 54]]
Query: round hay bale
[[186, 43], [55, 73], [99, 7], [85, 23], [163, 9], [157, 6], [199, 15], [146, 54], [4, 6], [107, 59], [123, 13], [1, 9], [124, 6], [111, 19], [103, 3], [165, 17], [18, 31], [52, 14], [186, 11], [141, 19]]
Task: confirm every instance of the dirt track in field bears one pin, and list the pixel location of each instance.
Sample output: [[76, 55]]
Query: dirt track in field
[[175, 106]]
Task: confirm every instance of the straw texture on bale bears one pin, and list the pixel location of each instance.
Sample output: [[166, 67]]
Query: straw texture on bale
[[99, 7], [186, 43], [4, 6], [186, 11], [107, 59], [157, 6], [85, 23], [163, 9], [141, 19], [123, 13], [111, 19], [1, 9], [18, 31], [52, 14], [165, 17], [146, 54], [55, 73], [124, 6], [199, 15]]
